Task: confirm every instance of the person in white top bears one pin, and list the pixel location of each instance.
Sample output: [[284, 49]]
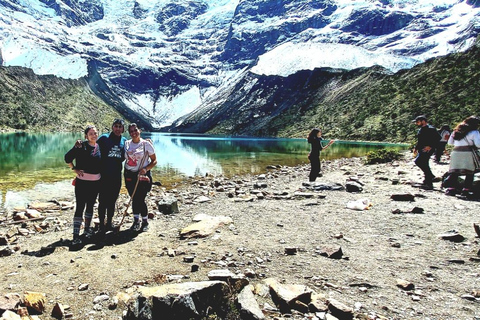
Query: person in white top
[[444, 132], [140, 158], [465, 138]]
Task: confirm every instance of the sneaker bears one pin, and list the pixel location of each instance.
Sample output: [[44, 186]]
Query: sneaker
[[76, 241], [144, 227], [136, 226], [88, 233], [450, 191]]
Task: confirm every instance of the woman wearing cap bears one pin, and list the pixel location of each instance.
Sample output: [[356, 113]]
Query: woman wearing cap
[[315, 139], [87, 182], [464, 138], [140, 159], [112, 148]]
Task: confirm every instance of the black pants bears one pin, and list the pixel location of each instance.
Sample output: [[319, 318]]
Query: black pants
[[423, 162], [314, 168], [85, 195], [139, 206], [109, 191], [440, 150]]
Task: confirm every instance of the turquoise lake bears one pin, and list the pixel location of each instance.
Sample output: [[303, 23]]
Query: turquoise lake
[[32, 166]]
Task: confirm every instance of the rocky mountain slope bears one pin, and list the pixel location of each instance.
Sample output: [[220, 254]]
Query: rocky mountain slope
[[363, 104], [163, 60]]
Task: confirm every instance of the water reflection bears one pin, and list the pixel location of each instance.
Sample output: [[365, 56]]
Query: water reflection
[[32, 165]]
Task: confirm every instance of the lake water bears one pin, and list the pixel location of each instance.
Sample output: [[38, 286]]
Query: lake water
[[32, 167]]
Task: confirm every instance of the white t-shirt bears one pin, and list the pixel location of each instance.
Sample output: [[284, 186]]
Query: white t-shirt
[[471, 139], [134, 153]]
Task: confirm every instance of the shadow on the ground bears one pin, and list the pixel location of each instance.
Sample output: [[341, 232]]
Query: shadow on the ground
[[97, 242]]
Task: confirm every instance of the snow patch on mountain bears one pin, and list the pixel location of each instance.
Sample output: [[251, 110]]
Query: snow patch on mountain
[[42, 61], [290, 58]]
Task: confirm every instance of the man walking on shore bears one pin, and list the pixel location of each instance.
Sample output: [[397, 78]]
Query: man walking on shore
[[427, 141]]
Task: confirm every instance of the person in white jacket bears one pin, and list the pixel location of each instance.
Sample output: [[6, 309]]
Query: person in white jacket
[[465, 140]]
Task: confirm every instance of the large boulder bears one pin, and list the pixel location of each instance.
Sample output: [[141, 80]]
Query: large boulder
[[188, 300]]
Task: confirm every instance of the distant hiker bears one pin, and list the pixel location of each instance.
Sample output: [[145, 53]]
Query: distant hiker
[[427, 141], [87, 182], [465, 140], [140, 159], [112, 147], [444, 133], [315, 139]]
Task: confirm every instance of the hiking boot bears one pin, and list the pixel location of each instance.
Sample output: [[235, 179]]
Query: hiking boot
[[76, 241], [88, 233], [144, 227], [136, 226]]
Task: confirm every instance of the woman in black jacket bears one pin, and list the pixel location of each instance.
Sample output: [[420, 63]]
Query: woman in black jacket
[[315, 139], [87, 182]]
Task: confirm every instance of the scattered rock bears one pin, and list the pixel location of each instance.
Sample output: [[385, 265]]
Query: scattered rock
[[452, 235], [405, 285], [205, 226], [168, 205]]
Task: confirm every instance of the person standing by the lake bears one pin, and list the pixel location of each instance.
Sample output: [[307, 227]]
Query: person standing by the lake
[[464, 138], [140, 159], [444, 134], [87, 182], [112, 149], [315, 139], [427, 141]]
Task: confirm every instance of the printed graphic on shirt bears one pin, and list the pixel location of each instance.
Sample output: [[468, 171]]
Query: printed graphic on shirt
[[115, 152]]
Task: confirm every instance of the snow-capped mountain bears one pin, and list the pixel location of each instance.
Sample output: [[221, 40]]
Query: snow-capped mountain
[[164, 58]]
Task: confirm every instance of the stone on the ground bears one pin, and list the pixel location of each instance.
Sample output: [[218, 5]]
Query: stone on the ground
[[187, 300], [10, 315], [58, 311], [285, 295], [405, 285], [339, 310], [453, 236], [205, 226], [331, 252], [353, 186], [168, 205], [35, 300], [9, 301], [248, 305]]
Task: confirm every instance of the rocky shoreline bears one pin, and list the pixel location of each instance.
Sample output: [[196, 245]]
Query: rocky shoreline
[[361, 243]]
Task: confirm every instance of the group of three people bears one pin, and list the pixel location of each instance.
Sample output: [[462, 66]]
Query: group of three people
[[98, 168]]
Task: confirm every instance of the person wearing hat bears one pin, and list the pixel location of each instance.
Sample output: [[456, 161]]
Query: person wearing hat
[[427, 141], [112, 149]]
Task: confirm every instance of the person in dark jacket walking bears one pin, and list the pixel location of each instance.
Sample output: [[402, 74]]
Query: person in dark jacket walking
[[87, 182], [427, 141], [315, 139]]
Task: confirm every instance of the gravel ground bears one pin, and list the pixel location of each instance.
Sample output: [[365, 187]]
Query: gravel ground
[[380, 245]]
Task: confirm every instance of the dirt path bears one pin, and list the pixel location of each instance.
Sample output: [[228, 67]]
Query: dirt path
[[378, 246]]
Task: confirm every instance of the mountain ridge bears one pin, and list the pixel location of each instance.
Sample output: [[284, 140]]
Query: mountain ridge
[[163, 60]]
